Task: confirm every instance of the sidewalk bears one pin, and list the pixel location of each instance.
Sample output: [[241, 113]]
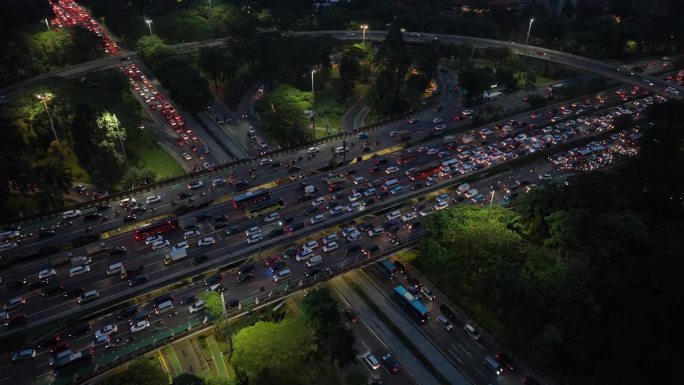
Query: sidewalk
[[351, 119], [428, 348], [408, 361]]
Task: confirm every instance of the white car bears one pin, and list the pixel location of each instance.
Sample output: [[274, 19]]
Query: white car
[[440, 127], [195, 185], [140, 326], [355, 197], [441, 205], [71, 214], [106, 330], [252, 231], [391, 170], [408, 217], [187, 156], [43, 274], [254, 238], [393, 215], [330, 247], [197, 306], [372, 361], [153, 239], [432, 151], [313, 150], [318, 201], [78, 270], [206, 241], [317, 219], [153, 199], [271, 217], [311, 245], [191, 234], [160, 245], [330, 238], [437, 120], [265, 161], [341, 150], [337, 210]]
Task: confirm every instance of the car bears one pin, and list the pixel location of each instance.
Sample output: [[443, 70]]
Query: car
[[137, 280], [47, 273], [437, 120], [218, 287], [160, 245], [107, 330], [231, 303], [441, 205], [116, 250], [408, 217], [196, 306], [153, 199], [129, 218], [313, 150], [254, 238], [393, 215], [432, 151], [73, 292], [351, 315], [25, 354], [18, 319], [312, 245], [152, 239], [14, 303], [427, 293], [80, 330], [245, 277], [78, 270], [472, 331], [191, 234], [198, 259], [92, 216], [140, 326], [195, 185], [128, 312], [271, 217], [314, 271], [51, 290], [372, 361], [440, 127], [442, 320], [390, 363], [187, 156], [317, 219], [71, 214], [391, 170], [206, 241], [506, 361]]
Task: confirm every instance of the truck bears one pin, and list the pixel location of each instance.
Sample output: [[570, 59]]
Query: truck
[[62, 258], [335, 179], [310, 189], [468, 137], [176, 255], [403, 135], [96, 248]]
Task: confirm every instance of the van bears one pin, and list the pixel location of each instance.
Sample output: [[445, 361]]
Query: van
[[88, 296], [181, 245], [115, 268], [389, 184], [471, 193], [126, 202], [314, 261], [375, 232], [164, 307], [359, 180], [281, 275], [462, 189], [494, 365]]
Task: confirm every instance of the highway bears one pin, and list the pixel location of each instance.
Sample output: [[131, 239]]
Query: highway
[[229, 247]]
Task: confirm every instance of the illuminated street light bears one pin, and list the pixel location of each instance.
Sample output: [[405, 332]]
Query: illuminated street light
[[529, 29], [47, 24], [149, 24], [44, 98], [313, 109], [364, 27]]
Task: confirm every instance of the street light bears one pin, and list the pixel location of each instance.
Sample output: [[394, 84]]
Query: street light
[[43, 98], [364, 27], [529, 29], [149, 24], [118, 131], [47, 24]]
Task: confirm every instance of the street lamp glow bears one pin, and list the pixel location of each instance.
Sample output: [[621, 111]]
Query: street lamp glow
[[149, 24], [47, 24], [313, 108], [44, 98], [364, 27], [529, 29]]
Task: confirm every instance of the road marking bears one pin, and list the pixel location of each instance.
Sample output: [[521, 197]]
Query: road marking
[[466, 351], [43, 364], [5, 379], [455, 356], [482, 374]]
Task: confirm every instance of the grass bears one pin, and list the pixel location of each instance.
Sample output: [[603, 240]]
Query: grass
[[77, 172], [153, 157], [173, 360], [219, 362], [329, 104]]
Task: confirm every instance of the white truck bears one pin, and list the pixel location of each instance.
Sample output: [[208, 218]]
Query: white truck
[[96, 248], [80, 261], [176, 255]]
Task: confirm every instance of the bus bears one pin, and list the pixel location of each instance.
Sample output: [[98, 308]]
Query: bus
[[76, 360], [250, 198], [266, 207], [156, 228], [387, 268], [420, 173], [407, 157], [412, 304]]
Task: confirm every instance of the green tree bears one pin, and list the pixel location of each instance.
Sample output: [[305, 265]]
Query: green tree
[[392, 59], [211, 61], [152, 49], [475, 81], [282, 114], [136, 176], [188, 379], [535, 100], [497, 55], [212, 304], [142, 371]]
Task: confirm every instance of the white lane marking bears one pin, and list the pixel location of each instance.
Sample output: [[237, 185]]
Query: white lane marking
[[482, 374], [455, 356], [466, 351]]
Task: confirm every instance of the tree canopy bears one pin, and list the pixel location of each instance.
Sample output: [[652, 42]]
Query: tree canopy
[[282, 114]]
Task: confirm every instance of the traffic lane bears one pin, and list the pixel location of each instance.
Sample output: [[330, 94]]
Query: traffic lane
[[367, 342]]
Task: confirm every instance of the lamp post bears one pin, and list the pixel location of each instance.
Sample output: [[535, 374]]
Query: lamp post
[[313, 109], [529, 29], [47, 24], [364, 27], [43, 98], [491, 199], [149, 24], [118, 131], [209, 4]]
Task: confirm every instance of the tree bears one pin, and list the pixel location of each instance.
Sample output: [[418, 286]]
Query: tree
[[136, 176], [392, 59], [320, 309], [475, 81], [504, 77], [188, 379], [211, 61], [529, 78], [282, 114], [497, 55], [535, 100], [152, 49], [213, 304], [350, 69], [142, 371]]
